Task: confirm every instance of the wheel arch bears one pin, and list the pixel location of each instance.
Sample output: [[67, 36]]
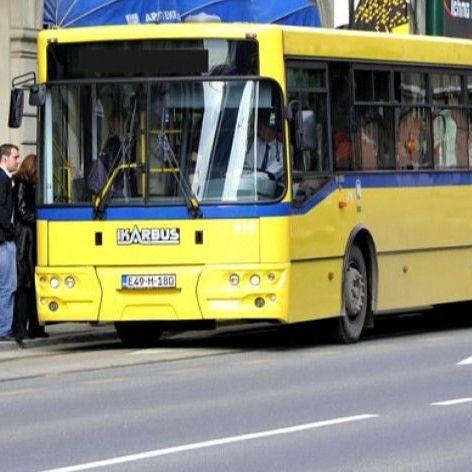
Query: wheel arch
[[362, 237]]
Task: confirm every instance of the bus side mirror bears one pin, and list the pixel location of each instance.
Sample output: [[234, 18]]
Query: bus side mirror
[[15, 115], [304, 126], [37, 95], [305, 134]]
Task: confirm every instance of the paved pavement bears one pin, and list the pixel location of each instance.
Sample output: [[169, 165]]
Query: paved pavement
[[62, 333]]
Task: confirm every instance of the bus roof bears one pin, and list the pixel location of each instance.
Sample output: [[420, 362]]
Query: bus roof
[[370, 46], [301, 42]]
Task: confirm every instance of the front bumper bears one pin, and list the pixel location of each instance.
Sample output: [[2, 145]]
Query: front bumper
[[202, 292]]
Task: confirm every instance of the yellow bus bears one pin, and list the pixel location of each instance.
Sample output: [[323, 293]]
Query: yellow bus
[[193, 174]]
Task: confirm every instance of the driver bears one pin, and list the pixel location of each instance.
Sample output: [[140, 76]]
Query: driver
[[268, 149]]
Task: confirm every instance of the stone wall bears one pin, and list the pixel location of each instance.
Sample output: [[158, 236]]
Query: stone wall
[[20, 21]]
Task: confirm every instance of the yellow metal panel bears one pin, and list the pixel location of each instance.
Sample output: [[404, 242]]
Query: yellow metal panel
[[275, 233], [80, 303], [137, 32], [416, 230], [316, 289], [221, 300], [42, 239], [316, 42], [271, 55], [223, 241], [324, 231], [424, 278], [417, 218], [150, 304], [359, 45], [424, 241]]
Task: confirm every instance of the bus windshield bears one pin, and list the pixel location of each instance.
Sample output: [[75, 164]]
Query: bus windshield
[[138, 141]]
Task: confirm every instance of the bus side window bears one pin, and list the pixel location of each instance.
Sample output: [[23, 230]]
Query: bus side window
[[373, 120], [310, 167], [449, 122], [412, 121]]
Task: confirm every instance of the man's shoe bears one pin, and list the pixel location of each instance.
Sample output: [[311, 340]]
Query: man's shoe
[[41, 334]]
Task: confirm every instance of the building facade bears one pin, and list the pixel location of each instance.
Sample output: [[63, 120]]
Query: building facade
[[20, 21]]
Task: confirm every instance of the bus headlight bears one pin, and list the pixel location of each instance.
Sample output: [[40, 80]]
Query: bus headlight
[[70, 282], [54, 283], [255, 280]]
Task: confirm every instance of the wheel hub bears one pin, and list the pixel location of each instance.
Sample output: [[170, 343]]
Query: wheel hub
[[355, 292]]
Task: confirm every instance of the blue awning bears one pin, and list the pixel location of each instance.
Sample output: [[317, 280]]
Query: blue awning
[[72, 13]]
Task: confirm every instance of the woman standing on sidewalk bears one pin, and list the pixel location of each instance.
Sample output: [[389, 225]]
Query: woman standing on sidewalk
[[25, 320]]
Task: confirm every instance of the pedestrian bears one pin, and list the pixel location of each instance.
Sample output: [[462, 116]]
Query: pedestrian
[[9, 159], [25, 319]]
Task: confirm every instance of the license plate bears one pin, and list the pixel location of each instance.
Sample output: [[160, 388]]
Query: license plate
[[148, 281]]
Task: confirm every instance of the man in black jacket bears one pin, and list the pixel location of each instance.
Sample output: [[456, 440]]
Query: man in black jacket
[[9, 161]]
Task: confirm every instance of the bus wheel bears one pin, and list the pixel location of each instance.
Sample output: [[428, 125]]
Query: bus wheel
[[139, 333], [349, 326]]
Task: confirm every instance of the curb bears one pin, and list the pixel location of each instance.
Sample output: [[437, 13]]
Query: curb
[[60, 338]]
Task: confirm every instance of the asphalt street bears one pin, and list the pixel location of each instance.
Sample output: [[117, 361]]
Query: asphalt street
[[256, 399]]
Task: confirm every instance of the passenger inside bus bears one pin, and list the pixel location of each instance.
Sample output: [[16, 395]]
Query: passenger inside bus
[[412, 139], [107, 159], [117, 152], [342, 145]]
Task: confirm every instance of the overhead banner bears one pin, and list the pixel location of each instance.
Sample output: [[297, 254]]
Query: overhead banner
[[458, 18], [381, 15], [72, 13], [373, 15]]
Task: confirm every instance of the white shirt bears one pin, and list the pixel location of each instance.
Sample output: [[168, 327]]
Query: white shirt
[[274, 160], [445, 131]]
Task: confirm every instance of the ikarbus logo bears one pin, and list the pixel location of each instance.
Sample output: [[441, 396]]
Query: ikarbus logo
[[147, 236]]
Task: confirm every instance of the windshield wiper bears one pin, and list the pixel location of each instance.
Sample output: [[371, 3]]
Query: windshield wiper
[[191, 199], [102, 199]]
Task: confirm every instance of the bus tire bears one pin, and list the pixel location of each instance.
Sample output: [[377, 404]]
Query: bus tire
[[348, 327], [138, 333]]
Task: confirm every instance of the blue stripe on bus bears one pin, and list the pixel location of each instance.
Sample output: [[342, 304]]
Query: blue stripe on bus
[[407, 179], [387, 180], [367, 180], [164, 212]]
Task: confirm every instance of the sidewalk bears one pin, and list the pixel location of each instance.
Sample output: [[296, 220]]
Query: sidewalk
[[63, 333]]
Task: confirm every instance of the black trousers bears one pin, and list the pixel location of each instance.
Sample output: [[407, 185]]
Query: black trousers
[[25, 318]]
